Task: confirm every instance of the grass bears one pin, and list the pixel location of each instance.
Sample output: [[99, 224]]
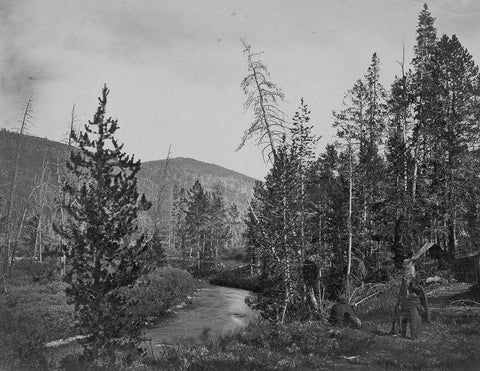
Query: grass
[[449, 343], [34, 313]]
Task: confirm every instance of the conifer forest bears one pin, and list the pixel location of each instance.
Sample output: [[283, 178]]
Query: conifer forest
[[402, 171], [357, 250]]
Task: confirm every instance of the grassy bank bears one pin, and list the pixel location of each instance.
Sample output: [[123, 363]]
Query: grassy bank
[[34, 313], [449, 343]]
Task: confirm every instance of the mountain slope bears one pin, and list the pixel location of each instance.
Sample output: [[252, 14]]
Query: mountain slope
[[182, 173]]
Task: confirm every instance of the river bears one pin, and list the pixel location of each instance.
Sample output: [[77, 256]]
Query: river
[[214, 311]]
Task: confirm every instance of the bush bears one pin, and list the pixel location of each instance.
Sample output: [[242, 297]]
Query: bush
[[36, 271], [42, 307], [30, 316], [34, 314], [160, 290], [239, 278]]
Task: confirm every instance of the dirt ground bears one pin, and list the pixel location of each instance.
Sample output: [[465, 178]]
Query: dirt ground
[[450, 342]]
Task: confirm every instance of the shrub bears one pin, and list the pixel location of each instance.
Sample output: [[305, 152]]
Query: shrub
[[30, 316], [160, 290], [238, 278], [42, 307], [35, 271]]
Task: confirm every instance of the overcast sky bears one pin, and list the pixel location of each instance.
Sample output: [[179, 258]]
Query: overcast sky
[[174, 67]]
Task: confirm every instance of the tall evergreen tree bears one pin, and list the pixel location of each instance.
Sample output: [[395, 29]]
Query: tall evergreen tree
[[196, 221], [303, 142], [456, 132], [101, 249], [360, 127], [424, 95]]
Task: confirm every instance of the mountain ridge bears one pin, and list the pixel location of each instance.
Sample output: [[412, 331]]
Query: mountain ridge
[[181, 171], [201, 162]]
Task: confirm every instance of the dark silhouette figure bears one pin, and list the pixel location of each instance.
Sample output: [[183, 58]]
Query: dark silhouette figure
[[342, 314]]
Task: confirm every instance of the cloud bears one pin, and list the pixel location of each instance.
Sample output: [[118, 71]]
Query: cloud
[[22, 72]]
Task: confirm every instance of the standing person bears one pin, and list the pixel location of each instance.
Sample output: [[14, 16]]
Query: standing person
[[409, 312], [412, 303]]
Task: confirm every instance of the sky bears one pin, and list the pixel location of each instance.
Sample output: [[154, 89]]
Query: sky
[[174, 67]]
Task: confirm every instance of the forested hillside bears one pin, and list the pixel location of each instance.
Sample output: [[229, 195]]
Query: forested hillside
[[39, 170], [183, 172]]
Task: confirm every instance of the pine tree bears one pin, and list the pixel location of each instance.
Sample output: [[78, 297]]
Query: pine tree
[[196, 223], [263, 96], [234, 226], [455, 131], [398, 167], [219, 232], [371, 183], [425, 102], [255, 249], [102, 251], [274, 220], [303, 142], [178, 215], [360, 126], [330, 192]]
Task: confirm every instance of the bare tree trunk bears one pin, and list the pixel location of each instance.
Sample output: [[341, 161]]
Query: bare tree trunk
[[11, 194], [62, 217], [72, 126], [161, 189], [349, 223], [38, 234], [19, 235], [405, 113]]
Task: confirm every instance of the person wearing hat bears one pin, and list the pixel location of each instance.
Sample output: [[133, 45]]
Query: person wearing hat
[[412, 303]]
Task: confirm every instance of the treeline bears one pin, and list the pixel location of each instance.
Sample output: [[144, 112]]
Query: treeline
[[402, 171], [203, 226], [162, 180], [30, 196], [32, 202]]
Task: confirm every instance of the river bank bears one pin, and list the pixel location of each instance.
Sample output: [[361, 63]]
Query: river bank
[[212, 312], [33, 314], [449, 343]]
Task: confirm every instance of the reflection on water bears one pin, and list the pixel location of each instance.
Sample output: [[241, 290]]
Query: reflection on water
[[214, 311]]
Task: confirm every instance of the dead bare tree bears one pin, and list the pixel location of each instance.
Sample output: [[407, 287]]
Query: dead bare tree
[[263, 97], [40, 204], [61, 209], [72, 128], [9, 225], [160, 190]]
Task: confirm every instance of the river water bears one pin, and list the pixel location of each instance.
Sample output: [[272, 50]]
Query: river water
[[214, 311]]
